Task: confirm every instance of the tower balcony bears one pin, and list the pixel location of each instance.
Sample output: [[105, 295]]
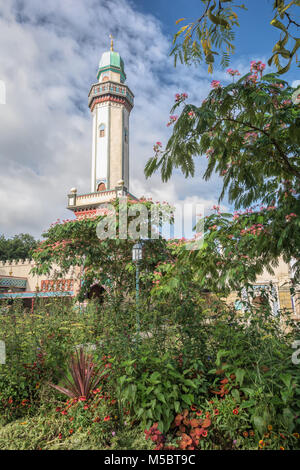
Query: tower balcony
[[110, 91], [86, 205], [81, 201]]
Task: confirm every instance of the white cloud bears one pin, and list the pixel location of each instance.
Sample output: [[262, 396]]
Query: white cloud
[[49, 59]]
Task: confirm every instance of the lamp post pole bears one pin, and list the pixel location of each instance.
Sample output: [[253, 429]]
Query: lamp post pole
[[137, 255], [137, 294], [137, 283]]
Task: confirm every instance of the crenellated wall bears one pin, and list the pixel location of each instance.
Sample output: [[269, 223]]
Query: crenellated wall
[[22, 269]]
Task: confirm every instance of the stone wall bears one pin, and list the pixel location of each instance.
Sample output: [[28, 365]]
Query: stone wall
[[22, 268]]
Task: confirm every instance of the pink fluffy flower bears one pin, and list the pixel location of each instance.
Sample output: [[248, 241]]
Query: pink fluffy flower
[[173, 119], [232, 72], [180, 97], [215, 84], [290, 216], [257, 67]]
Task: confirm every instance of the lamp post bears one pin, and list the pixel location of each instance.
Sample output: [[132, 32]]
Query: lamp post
[[137, 256]]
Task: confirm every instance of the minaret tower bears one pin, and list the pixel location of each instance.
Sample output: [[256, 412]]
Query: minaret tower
[[110, 102]]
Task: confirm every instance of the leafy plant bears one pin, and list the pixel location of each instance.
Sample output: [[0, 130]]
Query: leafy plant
[[85, 376], [248, 132], [156, 390]]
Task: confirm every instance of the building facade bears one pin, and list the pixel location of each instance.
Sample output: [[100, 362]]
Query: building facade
[[17, 281]]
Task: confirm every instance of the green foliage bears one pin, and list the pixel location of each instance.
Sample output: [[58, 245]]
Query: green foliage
[[236, 249], [18, 247], [107, 261], [213, 34], [192, 351], [37, 347], [42, 432], [249, 133], [155, 390]]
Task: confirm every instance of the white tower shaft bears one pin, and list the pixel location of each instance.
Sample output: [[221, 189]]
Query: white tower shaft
[[110, 101]]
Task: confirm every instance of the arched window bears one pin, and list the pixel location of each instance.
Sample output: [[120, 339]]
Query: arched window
[[102, 130], [125, 135]]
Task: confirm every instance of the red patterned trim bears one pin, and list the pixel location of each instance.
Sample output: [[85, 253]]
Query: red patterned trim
[[80, 214], [112, 98], [57, 285]]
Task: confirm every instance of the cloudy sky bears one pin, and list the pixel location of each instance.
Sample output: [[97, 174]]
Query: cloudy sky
[[50, 52]]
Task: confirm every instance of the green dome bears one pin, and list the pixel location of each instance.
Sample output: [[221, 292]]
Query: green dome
[[112, 60]]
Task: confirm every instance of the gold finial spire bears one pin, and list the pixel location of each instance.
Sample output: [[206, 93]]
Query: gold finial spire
[[111, 42]]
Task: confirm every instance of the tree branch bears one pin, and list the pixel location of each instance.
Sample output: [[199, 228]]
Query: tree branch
[[291, 21], [274, 142]]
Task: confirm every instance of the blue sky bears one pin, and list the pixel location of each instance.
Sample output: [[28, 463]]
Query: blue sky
[[254, 37], [50, 52]]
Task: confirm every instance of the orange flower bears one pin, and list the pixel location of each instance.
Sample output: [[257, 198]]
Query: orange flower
[[261, 444], [281, 448], [71, 431], [245, 434], [224, 381], [216, 412], [235, 411], [193, 408], [107, 418], [199, 413], [270, 427]]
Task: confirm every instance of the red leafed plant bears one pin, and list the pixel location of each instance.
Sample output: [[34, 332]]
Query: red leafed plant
[[156, 436], [84, 374], [188, 430]]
